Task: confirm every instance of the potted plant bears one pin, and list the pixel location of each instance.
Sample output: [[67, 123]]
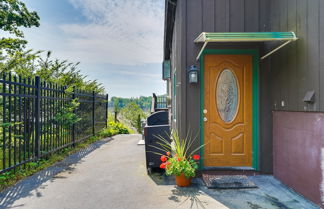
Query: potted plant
[[178, 159]]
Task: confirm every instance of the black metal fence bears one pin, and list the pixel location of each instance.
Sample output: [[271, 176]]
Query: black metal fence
[[159, 103], [39, 118]]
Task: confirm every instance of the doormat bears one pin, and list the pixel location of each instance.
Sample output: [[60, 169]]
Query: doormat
[[227, 182]]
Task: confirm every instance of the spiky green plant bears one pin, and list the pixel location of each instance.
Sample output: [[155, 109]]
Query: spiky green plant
[[177, 145], [177, 155]]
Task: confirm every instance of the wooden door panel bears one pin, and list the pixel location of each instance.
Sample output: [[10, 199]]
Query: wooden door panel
[[228, 101], [216, 144]]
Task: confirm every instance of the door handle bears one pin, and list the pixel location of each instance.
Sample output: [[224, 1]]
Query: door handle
[[205, 119]]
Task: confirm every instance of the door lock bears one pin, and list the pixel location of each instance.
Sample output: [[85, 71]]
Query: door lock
[[205, 111]]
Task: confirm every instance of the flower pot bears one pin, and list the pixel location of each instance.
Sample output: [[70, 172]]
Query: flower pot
[[182, 180]]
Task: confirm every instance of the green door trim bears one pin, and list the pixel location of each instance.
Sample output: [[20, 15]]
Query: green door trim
[[255, 98]]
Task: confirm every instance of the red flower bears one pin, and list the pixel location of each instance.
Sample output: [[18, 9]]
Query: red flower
[[164, 158], [168, 153], [163, 165], [196, 157], [167, 163], [179, 159]]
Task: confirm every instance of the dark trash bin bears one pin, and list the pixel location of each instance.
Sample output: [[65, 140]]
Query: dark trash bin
[[157, 124]]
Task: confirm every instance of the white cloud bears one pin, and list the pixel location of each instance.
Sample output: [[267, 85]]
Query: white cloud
[[120, 31], [116, 43]]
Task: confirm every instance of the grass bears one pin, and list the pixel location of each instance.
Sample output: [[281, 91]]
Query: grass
[[10, 178]]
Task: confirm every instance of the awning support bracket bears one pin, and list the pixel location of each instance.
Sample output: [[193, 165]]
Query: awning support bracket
[[276, 49], [202, 49]]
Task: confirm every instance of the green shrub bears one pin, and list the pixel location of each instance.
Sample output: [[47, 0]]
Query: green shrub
[[114, 129], [133, 113]]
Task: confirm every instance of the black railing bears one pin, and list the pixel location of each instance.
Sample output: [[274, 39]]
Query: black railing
[[159, 103], [39, 118]]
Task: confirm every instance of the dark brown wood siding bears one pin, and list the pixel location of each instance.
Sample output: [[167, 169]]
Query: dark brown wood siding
[[220, 16], [285, 77], [298, 68]]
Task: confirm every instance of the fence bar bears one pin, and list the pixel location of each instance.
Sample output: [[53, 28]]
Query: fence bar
[[35, 119], [25, 124], [20, 121], [74, 111], [37, 116], [93, 112], [10, 124], [106, 110], [3, 126], [15, 122]]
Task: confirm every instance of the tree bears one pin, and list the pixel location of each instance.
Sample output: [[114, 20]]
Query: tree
[[116, 109], [143, 102], [132, 112], [139, 124], [13, 15]]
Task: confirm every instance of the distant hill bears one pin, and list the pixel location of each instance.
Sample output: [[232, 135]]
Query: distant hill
[[143, 102]]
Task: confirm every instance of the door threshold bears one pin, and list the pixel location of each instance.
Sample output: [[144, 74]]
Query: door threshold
[[228, 169], [248, 171]]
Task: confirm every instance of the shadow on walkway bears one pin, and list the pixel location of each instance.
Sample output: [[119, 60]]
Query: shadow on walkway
[[23, 188], [182, 195]]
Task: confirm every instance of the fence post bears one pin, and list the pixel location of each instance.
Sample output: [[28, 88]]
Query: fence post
[[154, 103], [107, 110], [74, 112], [93, 111], [37, 115]]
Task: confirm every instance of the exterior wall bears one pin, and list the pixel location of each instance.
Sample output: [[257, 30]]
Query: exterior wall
[[298, 141], [285, 77], [176, 66], [216, 16], [298, 67]]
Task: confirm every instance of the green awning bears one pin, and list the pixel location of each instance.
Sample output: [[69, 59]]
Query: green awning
[[246, 37]]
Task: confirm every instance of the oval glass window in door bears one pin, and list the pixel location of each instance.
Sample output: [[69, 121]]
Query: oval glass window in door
[[227, 95]]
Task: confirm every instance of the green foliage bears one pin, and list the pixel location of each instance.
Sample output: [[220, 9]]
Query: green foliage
[[13, 15], [176, 166], [139, 124], [66, 115], [7, 125], [11, 44], [116, 105], [143, 102], [131, 112], [29, 63], [177, 155], [114, 129]]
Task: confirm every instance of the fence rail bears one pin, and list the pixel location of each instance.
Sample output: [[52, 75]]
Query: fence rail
[[159, 103], [39, 118]]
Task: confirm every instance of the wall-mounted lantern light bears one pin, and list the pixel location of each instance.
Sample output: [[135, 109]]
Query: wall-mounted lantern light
[[193, 74]]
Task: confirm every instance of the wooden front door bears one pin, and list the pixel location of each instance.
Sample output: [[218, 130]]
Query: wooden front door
[[228, 110]]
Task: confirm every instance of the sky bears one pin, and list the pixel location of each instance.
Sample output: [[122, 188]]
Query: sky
[[118, 42]]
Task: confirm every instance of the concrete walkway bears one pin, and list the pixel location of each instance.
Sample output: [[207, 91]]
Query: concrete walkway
[[111, 174]]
